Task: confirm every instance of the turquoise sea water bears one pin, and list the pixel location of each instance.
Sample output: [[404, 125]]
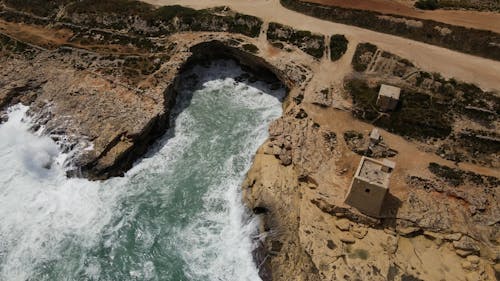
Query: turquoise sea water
[[177, 215]]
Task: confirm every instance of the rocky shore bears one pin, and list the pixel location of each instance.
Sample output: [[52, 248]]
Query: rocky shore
[[105, 87]]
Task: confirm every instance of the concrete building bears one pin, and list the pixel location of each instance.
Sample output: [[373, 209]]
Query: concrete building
[[370, 185], [388, 97], [374, 136]]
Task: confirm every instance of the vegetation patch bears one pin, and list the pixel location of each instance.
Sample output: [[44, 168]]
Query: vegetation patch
[[355, 141], [463, 39], [358, 254], [251, 48], [338, 46], [418, 115], [426, 184], [457, 177], [101, 37], [14, 16], [278, 45], [134, 17], [11, 46], [486, 5], [330, 139], [131, 67], [119, 7], [436, 103], [362, 56], [427, 4], [480, 145], [42, 8], [313, 44], [408, 277]]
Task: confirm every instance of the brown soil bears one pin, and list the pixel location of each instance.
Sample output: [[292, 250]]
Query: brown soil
[[474, 19], [52, 39], [36, 35]]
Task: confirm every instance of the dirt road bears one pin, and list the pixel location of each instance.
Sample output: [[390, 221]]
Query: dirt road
[[474, 19], [483, 72]]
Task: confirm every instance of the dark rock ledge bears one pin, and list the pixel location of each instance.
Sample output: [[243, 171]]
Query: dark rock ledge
[[103, 166]]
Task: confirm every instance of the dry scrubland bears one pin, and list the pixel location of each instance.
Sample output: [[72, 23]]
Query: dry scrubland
[[105, 73], [474, 41]]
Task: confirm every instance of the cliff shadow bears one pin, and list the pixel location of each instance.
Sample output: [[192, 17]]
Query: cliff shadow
[[223, 62]]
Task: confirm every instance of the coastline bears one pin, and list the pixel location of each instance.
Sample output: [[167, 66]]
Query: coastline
[[300, 175]]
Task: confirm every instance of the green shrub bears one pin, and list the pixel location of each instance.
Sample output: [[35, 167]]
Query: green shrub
[[251, 48], [427, 4], [338, 46], [312, 44]]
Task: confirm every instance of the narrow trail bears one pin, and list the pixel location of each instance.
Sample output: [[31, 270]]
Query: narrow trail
[[481, 71]]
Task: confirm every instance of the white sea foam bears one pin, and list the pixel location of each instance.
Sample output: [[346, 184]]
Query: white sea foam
[[39, 206], [226, 246], [44, 215]]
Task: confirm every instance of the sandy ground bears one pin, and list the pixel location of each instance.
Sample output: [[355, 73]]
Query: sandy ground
[[483, 72], [473, 19]]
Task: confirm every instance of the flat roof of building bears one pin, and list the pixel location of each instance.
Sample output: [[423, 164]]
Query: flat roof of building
[[390, 91], [371, 171]]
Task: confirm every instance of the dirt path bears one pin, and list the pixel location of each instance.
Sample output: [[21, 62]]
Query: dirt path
[[474, 19], [483, 72]]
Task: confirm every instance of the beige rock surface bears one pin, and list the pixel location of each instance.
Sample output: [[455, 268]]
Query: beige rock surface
[[333, 242]]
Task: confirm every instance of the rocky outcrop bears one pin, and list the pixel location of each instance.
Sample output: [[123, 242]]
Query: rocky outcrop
[[297, 186], [437, 222], [112, 106]]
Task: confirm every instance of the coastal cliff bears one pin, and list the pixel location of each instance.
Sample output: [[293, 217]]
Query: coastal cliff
[[438, 221], [103, 83]]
